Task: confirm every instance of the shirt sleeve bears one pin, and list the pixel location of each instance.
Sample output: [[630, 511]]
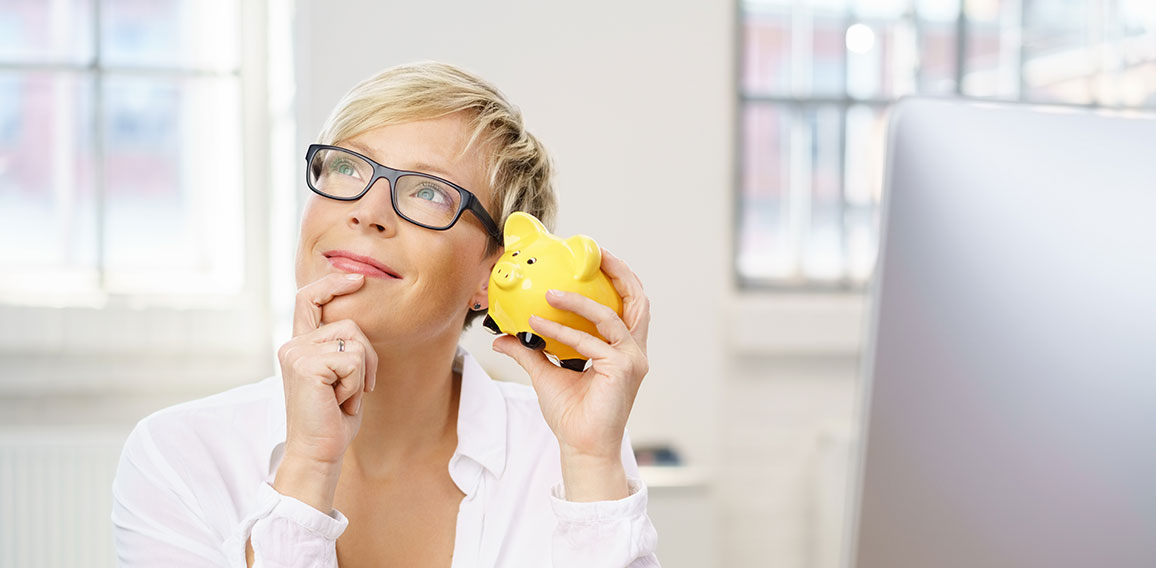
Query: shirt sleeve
[[605, 534], [158, 521], [286, 532]]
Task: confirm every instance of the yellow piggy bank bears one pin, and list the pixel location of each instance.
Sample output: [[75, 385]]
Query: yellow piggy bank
[[536, 261]]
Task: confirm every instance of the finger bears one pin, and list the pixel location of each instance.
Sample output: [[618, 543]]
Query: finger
[[635, 303], [312, 296], [637, 318], [343, 372], [603, 317], [532, 361], [625, 280], [361, 345], [348, 391], [353, 405], [355, 342], [587, 345], [332, 367]]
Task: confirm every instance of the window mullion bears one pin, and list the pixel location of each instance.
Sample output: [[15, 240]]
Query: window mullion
[[98, 127]]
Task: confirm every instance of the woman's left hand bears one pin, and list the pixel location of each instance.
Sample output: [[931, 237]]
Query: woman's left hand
[[587, 411]]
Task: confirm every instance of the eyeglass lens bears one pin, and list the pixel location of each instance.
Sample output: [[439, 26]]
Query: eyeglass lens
[[422, 199]]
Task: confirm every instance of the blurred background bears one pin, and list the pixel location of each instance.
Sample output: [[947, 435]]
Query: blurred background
[[150, 189]]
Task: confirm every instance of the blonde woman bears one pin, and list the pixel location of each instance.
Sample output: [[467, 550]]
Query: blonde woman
[[382, 442]]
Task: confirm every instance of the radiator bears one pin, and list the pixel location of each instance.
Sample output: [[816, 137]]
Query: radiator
[[56, 496]]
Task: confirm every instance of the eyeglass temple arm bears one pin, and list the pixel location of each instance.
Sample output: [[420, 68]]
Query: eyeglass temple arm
[[484, 216]]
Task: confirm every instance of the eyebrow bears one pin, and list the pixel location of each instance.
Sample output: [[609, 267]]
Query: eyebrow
[[417, 166]]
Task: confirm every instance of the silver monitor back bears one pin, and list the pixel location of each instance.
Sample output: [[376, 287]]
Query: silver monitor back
[[1009, 392]]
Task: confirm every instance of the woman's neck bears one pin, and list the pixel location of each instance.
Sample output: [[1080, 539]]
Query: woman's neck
[[411, 415]]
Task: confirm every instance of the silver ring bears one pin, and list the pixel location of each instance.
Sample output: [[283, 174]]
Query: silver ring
[[340, 345]]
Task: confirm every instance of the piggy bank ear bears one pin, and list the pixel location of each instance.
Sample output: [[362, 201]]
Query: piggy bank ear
[[522, 227], [587, 256]]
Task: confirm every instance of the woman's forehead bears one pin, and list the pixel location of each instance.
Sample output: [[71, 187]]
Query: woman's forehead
[[431, 146]]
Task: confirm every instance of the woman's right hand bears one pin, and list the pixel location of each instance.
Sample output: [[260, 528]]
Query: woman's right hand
[[323, 389]]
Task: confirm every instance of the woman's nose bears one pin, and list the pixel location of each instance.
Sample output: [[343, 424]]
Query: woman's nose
[[375, 210]]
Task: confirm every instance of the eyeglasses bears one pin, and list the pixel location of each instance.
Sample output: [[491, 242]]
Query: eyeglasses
[[424, 200]]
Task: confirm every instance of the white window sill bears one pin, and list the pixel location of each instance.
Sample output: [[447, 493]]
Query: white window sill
[[25, 375], [47, 351], [235, 327]]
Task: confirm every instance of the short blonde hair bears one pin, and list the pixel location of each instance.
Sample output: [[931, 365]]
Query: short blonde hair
[[518, 169]]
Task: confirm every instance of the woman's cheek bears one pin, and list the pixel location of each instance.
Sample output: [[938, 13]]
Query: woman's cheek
[[355, 306]]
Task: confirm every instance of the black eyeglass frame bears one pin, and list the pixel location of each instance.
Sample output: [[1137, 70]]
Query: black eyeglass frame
[[468, 201]]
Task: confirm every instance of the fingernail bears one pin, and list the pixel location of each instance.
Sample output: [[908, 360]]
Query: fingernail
[[354, 276], [553, 293]]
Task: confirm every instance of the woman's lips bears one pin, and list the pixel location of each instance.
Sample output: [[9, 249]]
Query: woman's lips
[[349, 265]]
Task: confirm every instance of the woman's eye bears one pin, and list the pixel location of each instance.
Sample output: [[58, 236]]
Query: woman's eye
[[343, 168], [431, 194]]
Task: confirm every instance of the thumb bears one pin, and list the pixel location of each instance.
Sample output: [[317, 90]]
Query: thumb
[[529, 359]]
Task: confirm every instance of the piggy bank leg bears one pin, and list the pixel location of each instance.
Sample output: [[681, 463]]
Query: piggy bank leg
[[532, 341], [491, 325], [574, 364]]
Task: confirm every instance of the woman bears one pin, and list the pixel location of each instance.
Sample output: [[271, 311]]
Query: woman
[[383, 442]]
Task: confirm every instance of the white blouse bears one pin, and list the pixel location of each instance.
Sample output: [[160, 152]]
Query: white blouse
[[194, 485]]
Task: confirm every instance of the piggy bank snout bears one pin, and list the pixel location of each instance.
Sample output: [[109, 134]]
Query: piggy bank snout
[[506, 274]]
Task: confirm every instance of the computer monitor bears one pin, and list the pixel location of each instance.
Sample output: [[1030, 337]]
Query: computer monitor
[[1009, 389]]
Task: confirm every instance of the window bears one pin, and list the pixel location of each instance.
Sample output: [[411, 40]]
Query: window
[[136, 202], [120, 150], [816, 78]]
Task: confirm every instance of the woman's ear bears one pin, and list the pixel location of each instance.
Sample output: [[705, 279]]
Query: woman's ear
[[482, 295], [482, 298]]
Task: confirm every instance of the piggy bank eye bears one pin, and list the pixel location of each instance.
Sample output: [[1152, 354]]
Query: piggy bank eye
[[516, 253], [531, 261]]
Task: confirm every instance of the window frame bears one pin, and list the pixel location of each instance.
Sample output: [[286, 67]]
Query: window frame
[[845, 285], [133, 342]]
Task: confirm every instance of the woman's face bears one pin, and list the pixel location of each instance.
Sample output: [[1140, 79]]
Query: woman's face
[[442, 273]]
